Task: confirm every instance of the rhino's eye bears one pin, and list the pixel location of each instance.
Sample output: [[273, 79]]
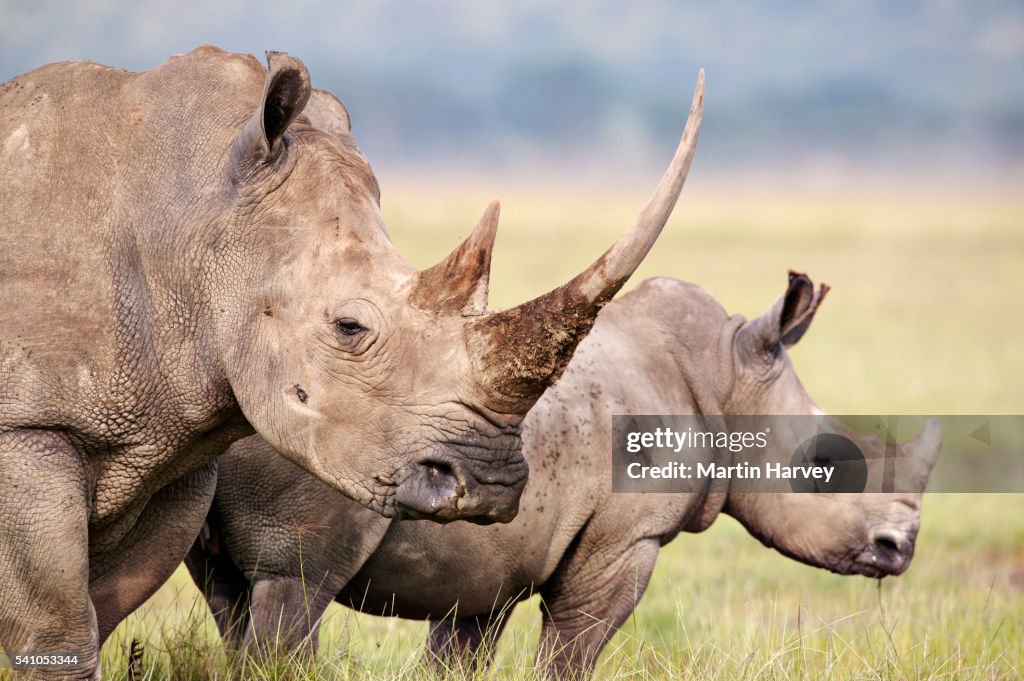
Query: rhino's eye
[[769, 354], [349, 327]]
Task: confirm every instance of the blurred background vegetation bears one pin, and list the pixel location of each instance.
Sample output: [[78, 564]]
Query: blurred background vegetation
[[822, 92]]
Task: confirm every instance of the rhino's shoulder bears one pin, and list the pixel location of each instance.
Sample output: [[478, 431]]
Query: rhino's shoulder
[[634, 335], [208, 55], [24, 96]]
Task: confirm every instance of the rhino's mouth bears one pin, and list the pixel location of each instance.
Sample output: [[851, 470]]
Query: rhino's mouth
[[449, 484], [884, 557]]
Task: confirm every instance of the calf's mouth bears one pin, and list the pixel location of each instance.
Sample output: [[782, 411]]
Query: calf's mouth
[[888, 553]]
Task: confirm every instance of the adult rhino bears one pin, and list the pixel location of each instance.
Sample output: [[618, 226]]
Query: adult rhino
[[197, 251], [280, 546]]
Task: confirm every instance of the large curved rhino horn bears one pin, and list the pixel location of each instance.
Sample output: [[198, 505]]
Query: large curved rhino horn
[[524, 350]]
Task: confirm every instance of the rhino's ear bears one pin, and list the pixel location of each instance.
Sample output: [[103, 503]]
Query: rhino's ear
[[798, 307], [325, 111], [788, 319], [285, 94]]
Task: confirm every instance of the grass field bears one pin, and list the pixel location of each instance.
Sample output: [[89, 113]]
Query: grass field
[[926, 316]]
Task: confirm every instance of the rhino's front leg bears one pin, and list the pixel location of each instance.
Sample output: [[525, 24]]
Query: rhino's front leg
[[304, 572], [464, 643], [590, 596], [44, 567], [123, 578], [282, 546]]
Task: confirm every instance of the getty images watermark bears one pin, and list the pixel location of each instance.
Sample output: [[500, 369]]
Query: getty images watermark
[[825, 453]]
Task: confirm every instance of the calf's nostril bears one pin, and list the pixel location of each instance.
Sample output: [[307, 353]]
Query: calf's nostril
[[890, 541], [886, 543]]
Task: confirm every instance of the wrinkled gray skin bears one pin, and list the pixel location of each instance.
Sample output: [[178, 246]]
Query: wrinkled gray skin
[[666, 348], [194, 249]]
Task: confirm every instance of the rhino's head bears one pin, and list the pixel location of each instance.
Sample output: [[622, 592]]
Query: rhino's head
[[871, 534], [395, 385]]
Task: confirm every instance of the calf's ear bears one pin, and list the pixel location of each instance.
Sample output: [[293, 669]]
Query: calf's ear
[[285, 93], [786, 321], [798, 307]]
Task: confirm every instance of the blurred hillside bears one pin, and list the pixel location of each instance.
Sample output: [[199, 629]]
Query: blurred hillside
[[886, 90]]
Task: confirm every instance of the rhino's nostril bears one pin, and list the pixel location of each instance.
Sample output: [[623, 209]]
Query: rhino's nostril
[[437, 469], [886, 543], [888, 552], [890, 541]]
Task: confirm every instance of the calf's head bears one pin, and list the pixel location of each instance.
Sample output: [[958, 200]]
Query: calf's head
[[871, 533], [395, 385]]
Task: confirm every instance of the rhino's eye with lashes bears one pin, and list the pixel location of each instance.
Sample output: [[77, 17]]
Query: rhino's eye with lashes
[[349, 327]]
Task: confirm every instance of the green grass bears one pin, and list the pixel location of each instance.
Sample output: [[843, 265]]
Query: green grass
[[925, 316]]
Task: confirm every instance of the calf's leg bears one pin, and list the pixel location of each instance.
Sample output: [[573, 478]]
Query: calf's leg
[[223, 585], [299, 562], [285, 612], [465, 642], [589, 597], [44, 564], [268, 613]]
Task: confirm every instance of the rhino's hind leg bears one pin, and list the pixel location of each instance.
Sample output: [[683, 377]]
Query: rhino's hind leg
[[464, 643], [590, 596], [44, 566]]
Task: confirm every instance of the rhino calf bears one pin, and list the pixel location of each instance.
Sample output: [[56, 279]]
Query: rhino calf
[[666, 348]]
